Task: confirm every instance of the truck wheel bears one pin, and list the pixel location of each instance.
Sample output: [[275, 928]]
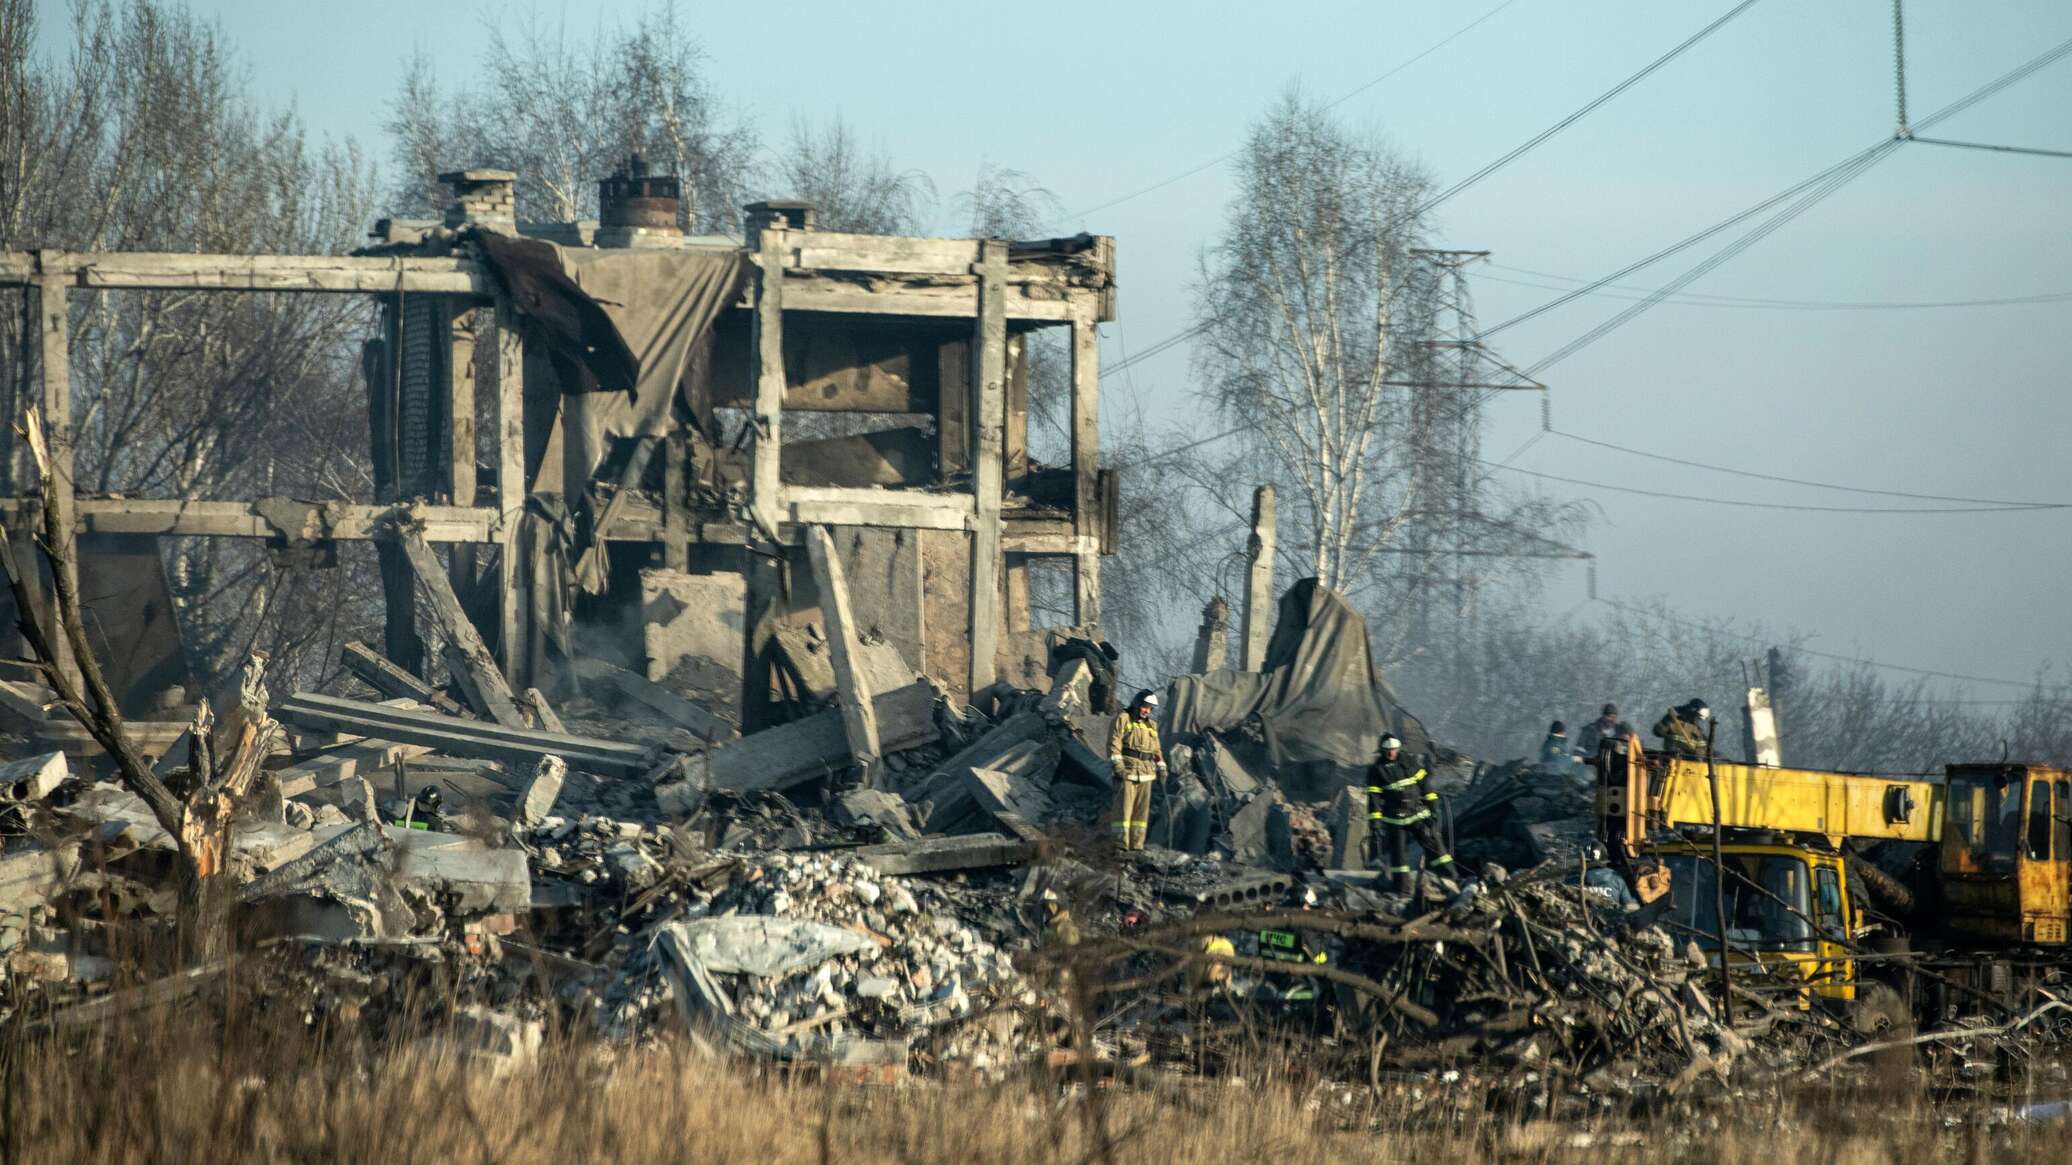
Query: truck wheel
[[1880, 1012]]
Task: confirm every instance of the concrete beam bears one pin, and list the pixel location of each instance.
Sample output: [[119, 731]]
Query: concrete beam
[[989, 417], [475, 664], [1259, 581], [845, 650]]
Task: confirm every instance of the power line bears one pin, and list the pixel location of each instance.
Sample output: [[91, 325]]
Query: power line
[[1701, 299], [1683, 244], [1679, 497], [1805, 202], [1829, 655], [1889, 493], [1219, 159], [1844, 170], [1506, 159], [1837, 178], [2041, 153], [1175, 452], [1537, 139]]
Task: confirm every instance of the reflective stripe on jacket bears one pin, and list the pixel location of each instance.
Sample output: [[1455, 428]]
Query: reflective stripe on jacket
[[1133, 748]]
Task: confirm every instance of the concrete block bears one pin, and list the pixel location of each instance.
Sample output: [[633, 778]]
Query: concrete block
[[34, 778], [1017, 782], [542, 791], [939, 854], [697, 616], [1347, 818]]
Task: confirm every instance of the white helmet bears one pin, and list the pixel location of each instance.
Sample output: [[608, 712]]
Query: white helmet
[[1389, 741]]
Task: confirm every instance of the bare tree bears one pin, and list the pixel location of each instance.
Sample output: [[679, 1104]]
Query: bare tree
[[564, 112], [141, 138], [851, 188]]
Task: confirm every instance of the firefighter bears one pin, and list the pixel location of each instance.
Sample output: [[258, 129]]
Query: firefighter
[[1682, 729], [1211, 973], [1058, 928], [1399, 798], [1135, 755]]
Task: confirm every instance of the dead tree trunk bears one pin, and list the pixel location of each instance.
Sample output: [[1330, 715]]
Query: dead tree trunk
[[198, 826]]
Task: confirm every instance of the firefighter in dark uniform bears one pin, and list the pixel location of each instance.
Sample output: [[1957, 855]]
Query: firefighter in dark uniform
[[1306, 994], [1682, 729], [1400, 797]]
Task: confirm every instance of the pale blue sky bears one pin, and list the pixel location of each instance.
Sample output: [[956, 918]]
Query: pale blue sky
[[1098, 100]]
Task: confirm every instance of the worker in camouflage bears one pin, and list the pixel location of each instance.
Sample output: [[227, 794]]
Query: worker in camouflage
[[1137, 760], [1682, 729], [1400, 798]]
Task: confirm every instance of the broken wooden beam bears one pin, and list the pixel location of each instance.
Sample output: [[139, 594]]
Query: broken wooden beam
[[543, 711], [450, 734], [845, 649], [477, 668], [794, 753], [384, 675]]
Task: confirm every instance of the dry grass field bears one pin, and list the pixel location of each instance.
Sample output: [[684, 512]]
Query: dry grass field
[[176, 1089]]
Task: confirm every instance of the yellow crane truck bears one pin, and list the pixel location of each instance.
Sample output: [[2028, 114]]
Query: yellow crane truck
[[1984, 906]]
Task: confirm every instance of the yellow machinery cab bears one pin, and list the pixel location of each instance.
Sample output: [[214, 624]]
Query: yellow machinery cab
[[1789, 910], [2005, 855]]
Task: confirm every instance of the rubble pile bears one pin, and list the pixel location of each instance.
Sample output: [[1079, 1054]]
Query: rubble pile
[[621, 873], [1529, 977]]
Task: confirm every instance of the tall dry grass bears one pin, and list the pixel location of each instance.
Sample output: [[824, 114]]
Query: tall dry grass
[[261, 1084]]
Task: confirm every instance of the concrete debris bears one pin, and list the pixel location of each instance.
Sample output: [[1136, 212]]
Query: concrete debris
[[792, 754], [542, 791], [763, 946], [775, 901], [34, 778]]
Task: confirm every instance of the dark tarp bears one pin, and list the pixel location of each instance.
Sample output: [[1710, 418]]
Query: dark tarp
[[1320, 698], [616, 321]]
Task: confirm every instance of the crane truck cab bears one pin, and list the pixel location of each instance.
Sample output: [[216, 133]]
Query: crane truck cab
[[1794, 906], [2004, 867], [1791, 913]]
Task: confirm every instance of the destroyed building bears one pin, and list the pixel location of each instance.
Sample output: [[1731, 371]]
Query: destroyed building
[[824, 793], [586, 423]]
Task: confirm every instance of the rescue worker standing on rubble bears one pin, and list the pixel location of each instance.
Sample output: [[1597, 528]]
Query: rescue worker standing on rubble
[[1135, 755], [1590, 741], [1399, 797], [1682, 729]]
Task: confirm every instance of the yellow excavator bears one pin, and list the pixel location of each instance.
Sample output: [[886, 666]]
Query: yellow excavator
[[1985, 907]]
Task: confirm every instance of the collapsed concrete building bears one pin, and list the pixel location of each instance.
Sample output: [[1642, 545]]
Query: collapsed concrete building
[[591, 420]]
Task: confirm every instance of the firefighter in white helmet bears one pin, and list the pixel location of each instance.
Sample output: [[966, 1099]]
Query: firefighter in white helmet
[[1400, 799], [1135, 756]]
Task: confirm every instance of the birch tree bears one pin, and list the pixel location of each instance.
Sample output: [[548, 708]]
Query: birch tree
[[1305, 307], [564, 111]]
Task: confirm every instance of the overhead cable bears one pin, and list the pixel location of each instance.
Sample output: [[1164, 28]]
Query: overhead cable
[[1507, 158], [1830, 655], [2001, 503], [1219, 159], [1754, 505]]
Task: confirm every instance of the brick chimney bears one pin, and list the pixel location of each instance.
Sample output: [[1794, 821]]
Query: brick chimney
[[483, 197], [636, 208], [782, 213]]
